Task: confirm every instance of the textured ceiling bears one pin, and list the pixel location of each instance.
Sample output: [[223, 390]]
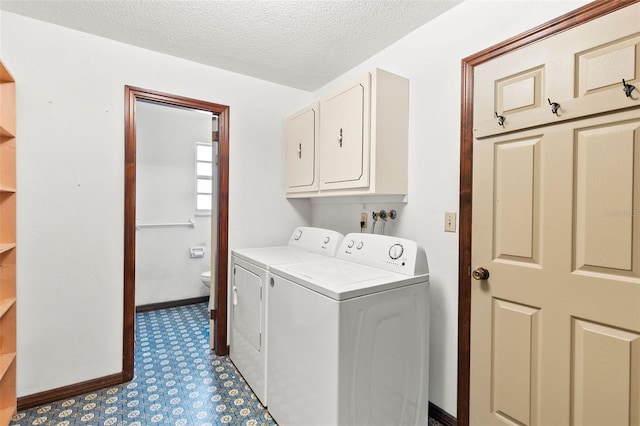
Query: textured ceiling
[[298, 43]]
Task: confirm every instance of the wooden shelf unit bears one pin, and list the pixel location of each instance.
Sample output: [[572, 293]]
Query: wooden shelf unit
[[7, 246]]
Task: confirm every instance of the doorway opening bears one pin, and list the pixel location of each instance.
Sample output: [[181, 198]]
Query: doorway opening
[[218, 311], [176, 183]]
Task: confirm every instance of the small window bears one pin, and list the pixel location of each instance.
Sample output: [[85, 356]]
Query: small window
[[204, 177]]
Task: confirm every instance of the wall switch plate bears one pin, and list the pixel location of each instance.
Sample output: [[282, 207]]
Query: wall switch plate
[[363, 218], [450, 221]]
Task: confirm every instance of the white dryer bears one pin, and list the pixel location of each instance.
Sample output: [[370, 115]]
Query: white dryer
[[248, 294], [349, 336]]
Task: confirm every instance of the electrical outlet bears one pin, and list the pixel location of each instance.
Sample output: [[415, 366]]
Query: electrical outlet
[[363, 218], [450, 222]]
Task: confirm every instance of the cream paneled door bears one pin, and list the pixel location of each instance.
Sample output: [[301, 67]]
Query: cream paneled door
[[555, 327]]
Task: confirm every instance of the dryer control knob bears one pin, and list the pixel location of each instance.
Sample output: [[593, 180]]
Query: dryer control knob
[[360, 244], [350, 244], [297, 235], [327, 239]]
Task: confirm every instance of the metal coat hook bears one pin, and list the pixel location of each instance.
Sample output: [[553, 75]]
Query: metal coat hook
[[501, 119], [554, 106], [628, 88]]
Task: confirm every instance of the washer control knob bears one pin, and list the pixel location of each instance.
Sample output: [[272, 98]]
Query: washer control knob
[[327, 239], [297, 235], [350, 244], [396, 251], [360, 244]]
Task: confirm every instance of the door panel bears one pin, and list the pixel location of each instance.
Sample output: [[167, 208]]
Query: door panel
[[605, 367], [516, 187], [519, 92], [605, 66], [515, 354], [606, 163], [548, 335]]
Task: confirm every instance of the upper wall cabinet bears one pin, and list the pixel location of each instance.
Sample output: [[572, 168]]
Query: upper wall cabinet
[[301, 150], [362, 143]]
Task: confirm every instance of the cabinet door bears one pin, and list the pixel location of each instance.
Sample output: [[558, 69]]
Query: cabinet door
[[302, 167], [344, 137]]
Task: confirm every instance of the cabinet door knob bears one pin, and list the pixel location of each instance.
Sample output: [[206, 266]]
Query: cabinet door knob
[[480, 274], [299, 150]]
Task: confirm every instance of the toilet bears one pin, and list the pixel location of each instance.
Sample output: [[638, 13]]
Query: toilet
[[205, 277]]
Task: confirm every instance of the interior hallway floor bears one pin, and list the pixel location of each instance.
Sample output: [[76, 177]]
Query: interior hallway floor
[[178, 381]]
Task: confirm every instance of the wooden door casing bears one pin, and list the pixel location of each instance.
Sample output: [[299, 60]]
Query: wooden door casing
[[219, 311]]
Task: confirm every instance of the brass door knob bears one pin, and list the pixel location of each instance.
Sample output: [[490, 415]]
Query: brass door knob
[[480, 274]]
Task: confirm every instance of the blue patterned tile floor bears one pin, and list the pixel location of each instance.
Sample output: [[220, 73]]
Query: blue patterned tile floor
[[178, 381]]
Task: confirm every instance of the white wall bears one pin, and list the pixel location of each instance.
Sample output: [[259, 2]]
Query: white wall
[[431, 58], [70, 108], [166, 139]]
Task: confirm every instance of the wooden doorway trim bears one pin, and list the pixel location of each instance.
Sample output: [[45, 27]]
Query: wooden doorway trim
[[132, 94], [579, 16]]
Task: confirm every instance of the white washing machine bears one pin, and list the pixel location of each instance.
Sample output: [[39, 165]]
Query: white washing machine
[[349, 336], [248, 294]]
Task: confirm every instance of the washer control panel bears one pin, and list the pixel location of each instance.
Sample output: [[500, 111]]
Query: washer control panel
[[318, 240], [384, 252]]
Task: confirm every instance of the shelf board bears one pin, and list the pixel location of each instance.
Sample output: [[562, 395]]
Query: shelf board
[[6, 247], [7, 189], [5, 75], [6, 304], [5, 133], [5, 363], [6, 414]]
